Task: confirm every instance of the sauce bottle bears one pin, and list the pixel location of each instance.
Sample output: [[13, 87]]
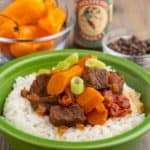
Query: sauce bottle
[[94, 20]]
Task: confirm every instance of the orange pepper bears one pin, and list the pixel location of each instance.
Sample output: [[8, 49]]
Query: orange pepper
[[8, 29], [3, 19], [40, 32], [25, 11], [21, 49], [53, 21], [49, 4], [27, 32], [31, 31], [5, 48], [48, 45]]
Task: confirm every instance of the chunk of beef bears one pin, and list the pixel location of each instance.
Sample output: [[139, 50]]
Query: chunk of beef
[[97, 78], [38, 96], [70, 94], [35, 98], [39, 86], [68, 116], [116, 82], [41, 109], [108, 95], [67, 98]]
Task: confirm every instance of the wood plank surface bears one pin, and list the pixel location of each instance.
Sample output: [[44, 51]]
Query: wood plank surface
[[132, 14]]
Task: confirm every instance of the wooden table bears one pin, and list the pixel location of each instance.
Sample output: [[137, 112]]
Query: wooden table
[[133, 14]]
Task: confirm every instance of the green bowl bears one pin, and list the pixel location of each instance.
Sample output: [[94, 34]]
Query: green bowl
[[135, 76]]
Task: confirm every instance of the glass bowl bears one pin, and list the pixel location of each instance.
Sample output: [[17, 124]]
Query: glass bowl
[[56, 41], [143, 60]]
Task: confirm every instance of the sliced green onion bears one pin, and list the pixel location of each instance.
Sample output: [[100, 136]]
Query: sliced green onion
[[94, 63], [62, 65], [44, 71], [94, 56], [53, 68], [77, 85], [73, 58], [68, 62]]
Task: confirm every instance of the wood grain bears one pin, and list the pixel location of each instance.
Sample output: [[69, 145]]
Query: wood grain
[[132, 14]]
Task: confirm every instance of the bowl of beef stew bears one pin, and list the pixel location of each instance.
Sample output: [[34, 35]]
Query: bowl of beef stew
[[93, 99]]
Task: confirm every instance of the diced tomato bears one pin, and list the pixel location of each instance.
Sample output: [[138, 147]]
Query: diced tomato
[[119, 106]]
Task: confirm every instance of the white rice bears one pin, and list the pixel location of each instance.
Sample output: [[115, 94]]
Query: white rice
[[19, 113]]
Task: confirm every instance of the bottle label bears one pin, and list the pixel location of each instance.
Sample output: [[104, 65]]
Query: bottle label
[[92, 17]]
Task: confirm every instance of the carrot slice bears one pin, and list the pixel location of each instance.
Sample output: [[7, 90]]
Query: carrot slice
[[59, 81], [89, 99], [98, 116]]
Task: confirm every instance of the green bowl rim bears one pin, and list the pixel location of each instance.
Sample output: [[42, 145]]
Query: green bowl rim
[[6, 127]]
